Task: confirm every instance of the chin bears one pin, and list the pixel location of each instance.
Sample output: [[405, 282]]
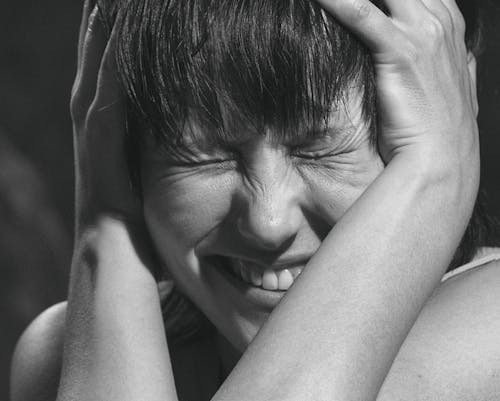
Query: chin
[[237, 308]]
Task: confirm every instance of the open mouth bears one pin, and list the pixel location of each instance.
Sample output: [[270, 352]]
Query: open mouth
[[257, 276]]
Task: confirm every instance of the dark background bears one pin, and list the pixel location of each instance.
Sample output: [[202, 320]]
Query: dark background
[[37, 64]]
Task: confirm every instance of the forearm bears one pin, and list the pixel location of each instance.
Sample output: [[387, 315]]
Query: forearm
[[337, 331], [115, 346]]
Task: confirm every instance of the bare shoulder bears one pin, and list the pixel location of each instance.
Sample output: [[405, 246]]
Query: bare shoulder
[[453, 350], [36, 363]]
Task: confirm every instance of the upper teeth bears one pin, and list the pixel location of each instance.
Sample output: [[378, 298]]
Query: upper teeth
[[272, 280]]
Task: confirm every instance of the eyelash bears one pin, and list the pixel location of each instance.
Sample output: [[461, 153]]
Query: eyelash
[[207, 163], [234, 158], [311, 155]]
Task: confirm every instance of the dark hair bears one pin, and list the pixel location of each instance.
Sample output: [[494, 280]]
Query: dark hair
[[276, 64]]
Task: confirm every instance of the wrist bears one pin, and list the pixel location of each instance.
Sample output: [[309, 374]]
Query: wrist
[[113, 245], [93, 214], [442, 190], [455, 173]]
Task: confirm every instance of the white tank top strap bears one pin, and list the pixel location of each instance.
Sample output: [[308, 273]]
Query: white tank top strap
[[485, 256]]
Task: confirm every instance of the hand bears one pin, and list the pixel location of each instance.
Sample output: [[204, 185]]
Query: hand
[[114, 324], [426, 84], [99, 118]]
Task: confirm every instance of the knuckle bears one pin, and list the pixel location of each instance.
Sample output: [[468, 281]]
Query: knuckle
[[434, 28], [409, 53], [100, 116], [76, 108], [92, 117]]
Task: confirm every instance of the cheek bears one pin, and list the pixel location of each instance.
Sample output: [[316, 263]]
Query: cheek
[[184, 210], [336, 187]]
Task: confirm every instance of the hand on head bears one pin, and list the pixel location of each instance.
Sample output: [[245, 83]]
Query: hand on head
[[425, 78], [99, 119]]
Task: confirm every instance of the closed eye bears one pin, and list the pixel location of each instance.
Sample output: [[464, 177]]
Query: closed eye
[[202, 160], [313, 154], [201, 163]]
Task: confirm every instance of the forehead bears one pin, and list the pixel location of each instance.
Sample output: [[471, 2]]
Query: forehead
[[344, 117]]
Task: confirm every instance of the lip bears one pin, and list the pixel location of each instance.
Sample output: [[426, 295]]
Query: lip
[[264, 298], [288, 263]]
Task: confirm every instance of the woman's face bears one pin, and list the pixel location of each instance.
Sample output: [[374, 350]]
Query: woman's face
[[236, 227]]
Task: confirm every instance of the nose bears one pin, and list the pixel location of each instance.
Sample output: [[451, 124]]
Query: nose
[[268, 224], [271, 215]]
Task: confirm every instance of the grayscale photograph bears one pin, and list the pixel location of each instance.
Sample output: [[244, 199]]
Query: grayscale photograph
[[250, 200]]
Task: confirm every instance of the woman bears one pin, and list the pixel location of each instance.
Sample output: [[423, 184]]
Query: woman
[[312, 238]]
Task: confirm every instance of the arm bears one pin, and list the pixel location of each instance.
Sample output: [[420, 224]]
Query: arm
[[114, 346], [339, 328]]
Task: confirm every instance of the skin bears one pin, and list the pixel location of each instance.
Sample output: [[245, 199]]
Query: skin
[[368, 280], [442, 358], [273, 212]]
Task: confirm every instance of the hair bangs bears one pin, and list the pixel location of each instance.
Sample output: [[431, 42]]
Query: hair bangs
[[275, 66]]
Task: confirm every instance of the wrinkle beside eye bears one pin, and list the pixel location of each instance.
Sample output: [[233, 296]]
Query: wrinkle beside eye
[[348, 168], [167, 174], [331, 141]]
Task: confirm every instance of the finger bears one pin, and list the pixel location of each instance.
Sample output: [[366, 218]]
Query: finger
[[453, 8], [451, 18], [472, 66], [108, 107], [366, 20], [439, 10], [88, 6], [109, 90], [458, 19], [92, 52], [106, 121], [405, 10]]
